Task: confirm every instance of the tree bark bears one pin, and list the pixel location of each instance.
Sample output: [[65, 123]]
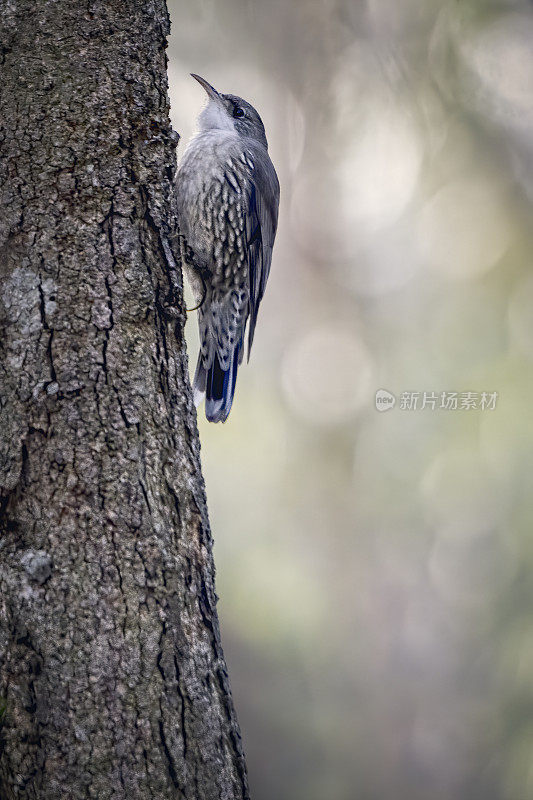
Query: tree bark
[[112, 677]]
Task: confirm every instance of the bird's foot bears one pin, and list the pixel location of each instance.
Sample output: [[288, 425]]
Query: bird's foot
[[169, 305]]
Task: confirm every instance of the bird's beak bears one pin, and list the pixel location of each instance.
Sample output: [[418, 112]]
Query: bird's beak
[[211, 91]]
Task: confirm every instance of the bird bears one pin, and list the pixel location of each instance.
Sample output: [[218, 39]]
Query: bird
[[227, 194]]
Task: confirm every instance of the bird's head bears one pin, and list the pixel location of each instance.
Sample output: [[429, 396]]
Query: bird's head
[[228, 112]]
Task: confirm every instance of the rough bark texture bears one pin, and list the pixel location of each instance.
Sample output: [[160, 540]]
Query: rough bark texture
[[112, 678]]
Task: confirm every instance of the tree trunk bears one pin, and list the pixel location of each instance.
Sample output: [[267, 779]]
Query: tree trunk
[[112, 678]]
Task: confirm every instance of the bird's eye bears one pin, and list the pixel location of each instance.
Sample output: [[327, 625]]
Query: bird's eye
[[238, 112]]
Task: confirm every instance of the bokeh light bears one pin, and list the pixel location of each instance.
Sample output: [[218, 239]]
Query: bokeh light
[[327, 375], [463, 230], [374, 567]]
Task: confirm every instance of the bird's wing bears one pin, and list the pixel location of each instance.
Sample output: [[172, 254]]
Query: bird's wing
[[261, 220], [241, 215]]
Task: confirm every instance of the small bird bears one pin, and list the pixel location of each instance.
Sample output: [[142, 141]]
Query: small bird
[[228, 198]]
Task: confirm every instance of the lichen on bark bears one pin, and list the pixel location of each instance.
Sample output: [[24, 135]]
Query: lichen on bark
[[112, 675]]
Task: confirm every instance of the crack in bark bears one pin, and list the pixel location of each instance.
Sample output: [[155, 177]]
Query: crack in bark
[[170, 765], [107, 331]]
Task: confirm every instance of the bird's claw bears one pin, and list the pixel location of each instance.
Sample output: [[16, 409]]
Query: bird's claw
[[169, 306]]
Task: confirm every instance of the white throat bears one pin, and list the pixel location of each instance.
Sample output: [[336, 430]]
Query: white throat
[[215, 117]]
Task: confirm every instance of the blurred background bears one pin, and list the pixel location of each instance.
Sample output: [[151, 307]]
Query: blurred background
[[375, 568]]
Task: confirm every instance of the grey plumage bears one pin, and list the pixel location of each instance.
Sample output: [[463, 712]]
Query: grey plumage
[[228, 197]]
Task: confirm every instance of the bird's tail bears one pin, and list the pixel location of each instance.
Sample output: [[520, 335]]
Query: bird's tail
[[217, 385]]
